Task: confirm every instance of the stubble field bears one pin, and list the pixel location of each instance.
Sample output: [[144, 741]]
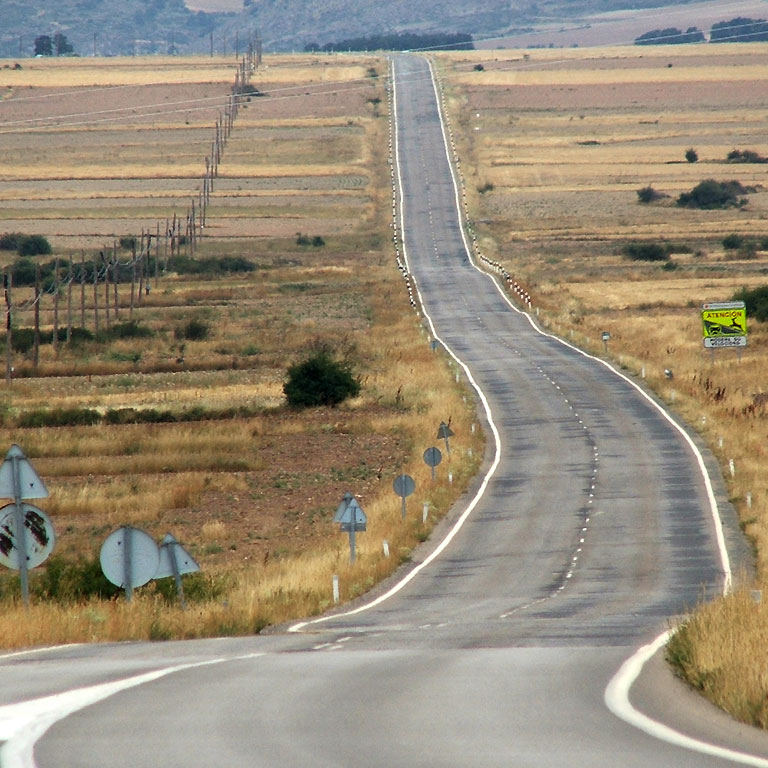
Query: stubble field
[[555, 145], [193, 436]]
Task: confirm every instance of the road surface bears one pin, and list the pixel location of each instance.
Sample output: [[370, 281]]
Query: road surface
[[595, 527]]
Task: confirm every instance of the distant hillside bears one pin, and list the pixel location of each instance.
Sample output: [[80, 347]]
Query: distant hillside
[[106, 27], [112, 27]]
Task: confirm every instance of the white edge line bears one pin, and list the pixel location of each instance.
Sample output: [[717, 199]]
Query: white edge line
[[486, 406], [617, 700], [24, 723]]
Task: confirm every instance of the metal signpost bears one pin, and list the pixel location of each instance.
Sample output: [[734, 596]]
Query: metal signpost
[[606, 336], [352, 519], [404, 485], [175, 561], [26, 533], [432, 457], [444, 433], [724, 324], [129, 558]]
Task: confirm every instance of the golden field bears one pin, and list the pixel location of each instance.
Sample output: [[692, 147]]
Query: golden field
[[555, 145]]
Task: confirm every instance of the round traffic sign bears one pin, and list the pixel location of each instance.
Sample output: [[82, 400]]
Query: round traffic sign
[[432, 457], [403, 485], [136, 567], [38, 536]]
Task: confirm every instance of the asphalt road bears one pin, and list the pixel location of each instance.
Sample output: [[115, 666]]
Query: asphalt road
[[595, 528]]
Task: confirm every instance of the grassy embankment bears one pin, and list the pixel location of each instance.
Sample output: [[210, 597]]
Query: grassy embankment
[[556, 144], [251, 497]]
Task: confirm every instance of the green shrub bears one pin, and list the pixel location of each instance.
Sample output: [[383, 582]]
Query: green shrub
[[320, 380], [194, 330], [648, 195], [10, 241], [745, 156], [756, 301], [691, 155], [710, 194], [128, 243], [34, 245], [646, 252], [59, 417], [68, 581], [130, 329], [732, 241]]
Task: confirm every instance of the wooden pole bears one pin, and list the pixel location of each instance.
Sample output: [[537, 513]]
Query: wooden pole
[[115, 278], [95, 295], [36, 347], [82, 290], [55, 338], [8, 282], [106, 288], [69, 302]]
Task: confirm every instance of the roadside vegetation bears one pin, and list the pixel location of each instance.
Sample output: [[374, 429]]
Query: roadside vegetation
[[565, 145]]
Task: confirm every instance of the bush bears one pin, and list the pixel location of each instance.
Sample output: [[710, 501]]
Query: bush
[[60, 417], [646, 252], [756, 301], [127, 330], [212, 265], [69, 581], [128, 243], [315, 241], [34, 245], [710, 194], [648, 195], [194, 330], [10, 241], [691, 155], [320, 380], [745, 156], [732, 241]]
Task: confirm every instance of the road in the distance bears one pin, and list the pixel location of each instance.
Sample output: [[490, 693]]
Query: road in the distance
[[594, 529]]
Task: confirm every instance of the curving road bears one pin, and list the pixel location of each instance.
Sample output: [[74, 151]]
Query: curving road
[[594, 528]]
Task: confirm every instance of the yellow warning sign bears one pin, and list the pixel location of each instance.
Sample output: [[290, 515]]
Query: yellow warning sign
[[724, 324]]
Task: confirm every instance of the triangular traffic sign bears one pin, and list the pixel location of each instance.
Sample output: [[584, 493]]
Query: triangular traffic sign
[[30, 484], [185, 563]]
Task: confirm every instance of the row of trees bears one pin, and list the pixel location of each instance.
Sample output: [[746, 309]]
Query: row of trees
[[737, 30], [58, 45], [404, 41]]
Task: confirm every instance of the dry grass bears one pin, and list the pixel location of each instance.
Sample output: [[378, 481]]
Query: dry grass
[[566, 140]]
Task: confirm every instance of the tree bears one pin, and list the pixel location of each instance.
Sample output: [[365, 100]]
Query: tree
[[320, 380], [43, 46], [691, 155], [62, 45]]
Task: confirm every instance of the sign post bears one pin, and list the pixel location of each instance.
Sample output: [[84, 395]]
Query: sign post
[[352, 519], [724, 324], [18, 481], [444, 432], [175, 561], [432, 457], [404, 485]]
